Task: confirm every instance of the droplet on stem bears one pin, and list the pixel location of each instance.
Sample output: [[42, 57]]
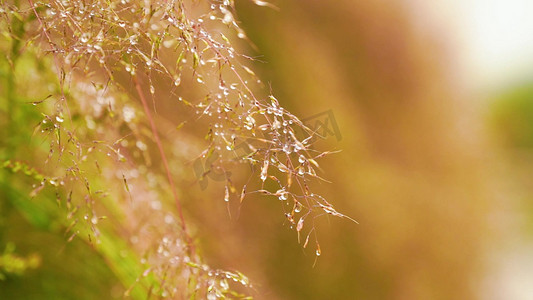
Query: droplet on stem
[[226, 194]]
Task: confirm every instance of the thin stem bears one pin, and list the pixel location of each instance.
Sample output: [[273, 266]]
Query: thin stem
[[163, 157]]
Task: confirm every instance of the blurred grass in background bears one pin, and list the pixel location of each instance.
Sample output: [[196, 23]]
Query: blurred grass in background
[[420, 169], [36, 262]]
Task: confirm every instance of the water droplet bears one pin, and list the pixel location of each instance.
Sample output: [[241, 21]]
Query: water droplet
[[177, 81], [301, 159], [156, 205], [264, 171], [59, 119], [226, 194], [212, 296], [298, 207], [152, 89], [276, 124], [169, 219], [224, 284], [122, 24], [283, 195], [142, 146], [287, 149], [228, 18], [84, 38], [300, 224]]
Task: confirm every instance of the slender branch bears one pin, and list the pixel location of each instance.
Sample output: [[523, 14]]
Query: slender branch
[[42, 25], [163, 158]]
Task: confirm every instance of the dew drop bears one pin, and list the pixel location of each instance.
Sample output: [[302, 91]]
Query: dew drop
[[211, 296], [177, 81], [298, 207], [156, 205], [169, 219], [84, 38], [300, 224], [228, 18], [287, 149], [301, 159], [276, 124], [282, 194], [142, 146], [226, 194], [264, 171], [224, 284]]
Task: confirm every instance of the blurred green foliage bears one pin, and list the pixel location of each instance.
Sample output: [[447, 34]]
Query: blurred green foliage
[[37, 262], [11, 263], [512, 116]]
